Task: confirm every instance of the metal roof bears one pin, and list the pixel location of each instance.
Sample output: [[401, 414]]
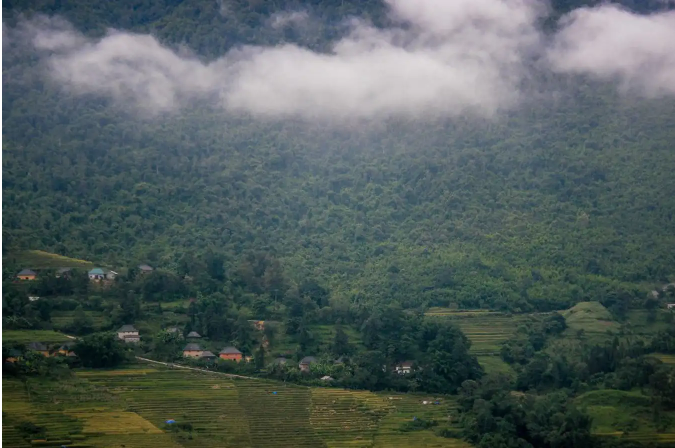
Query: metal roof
[[37, 346], [230, 351], [192, 347]]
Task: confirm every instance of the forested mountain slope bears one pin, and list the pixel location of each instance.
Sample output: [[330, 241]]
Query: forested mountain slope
[[564, 199]]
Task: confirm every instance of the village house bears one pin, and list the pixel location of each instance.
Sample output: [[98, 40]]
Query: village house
[[404, 368], [258, 324], [96, 274], [26, 274], [67, 349], [207, 355], [13, 356], [670, 306], [39, 347], [63, 272], [192, 350], [280, 361], [230, 354], [145, 269], [99, 274], [194, 335], [133, 338], [128, 333], [306, 362]]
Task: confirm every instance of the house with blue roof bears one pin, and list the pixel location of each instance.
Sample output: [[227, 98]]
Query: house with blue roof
[[98, 274]]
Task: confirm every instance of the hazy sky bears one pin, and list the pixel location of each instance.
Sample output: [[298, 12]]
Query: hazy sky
[[443, 57]]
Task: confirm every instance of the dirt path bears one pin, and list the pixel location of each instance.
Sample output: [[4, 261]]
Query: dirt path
[[178, 366]]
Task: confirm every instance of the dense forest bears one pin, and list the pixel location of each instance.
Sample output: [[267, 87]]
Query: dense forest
[[534, 209]]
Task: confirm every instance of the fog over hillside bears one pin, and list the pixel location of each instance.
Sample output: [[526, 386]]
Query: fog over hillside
[[437, 58]]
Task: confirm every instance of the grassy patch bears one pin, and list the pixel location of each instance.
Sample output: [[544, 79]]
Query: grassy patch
[[627, 414], [439, 311], [590, 317], [639, 323], [27, 336], [665, 358], [38, 259], [494, 364]]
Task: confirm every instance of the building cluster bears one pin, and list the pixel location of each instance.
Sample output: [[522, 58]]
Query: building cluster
[[97, 274], [129, 333], [65, 349]]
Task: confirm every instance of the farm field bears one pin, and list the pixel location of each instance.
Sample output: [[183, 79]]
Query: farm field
[[665, 358], [38, 259], [626, 414], [494, 364], [639, 324], [128, 408], [28, 336], [486, 330], [593, 319], [322, 337], [61, 319]]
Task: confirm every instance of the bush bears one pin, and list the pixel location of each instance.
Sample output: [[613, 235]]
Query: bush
[[30, 429], [418, 424], [449, 433]]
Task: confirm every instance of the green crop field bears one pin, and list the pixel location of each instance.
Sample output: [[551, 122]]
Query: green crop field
[[665, 358], [28, 336], [128, 409], [590, 317], [640, 324], [38, 259], [61, 319], [494, 364], [485, 329], [626, 414]]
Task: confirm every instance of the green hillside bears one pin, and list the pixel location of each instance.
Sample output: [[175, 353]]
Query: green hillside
[[539, 208], [590, 317], [411, 224]]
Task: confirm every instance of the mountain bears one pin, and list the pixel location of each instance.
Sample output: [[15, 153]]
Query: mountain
[[566, 198]]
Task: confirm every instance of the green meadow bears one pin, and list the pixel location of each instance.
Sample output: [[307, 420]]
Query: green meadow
[[38, 259]]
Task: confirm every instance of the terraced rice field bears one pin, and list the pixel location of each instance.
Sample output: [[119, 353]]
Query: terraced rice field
[[128, 409], [666, 359], [627, 415], [61, 319], [28, 336], [407, 408], [485, 329]]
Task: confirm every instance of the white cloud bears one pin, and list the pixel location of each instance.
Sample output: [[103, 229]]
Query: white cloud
[[443, 58], [615, 44], [294, 18]]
